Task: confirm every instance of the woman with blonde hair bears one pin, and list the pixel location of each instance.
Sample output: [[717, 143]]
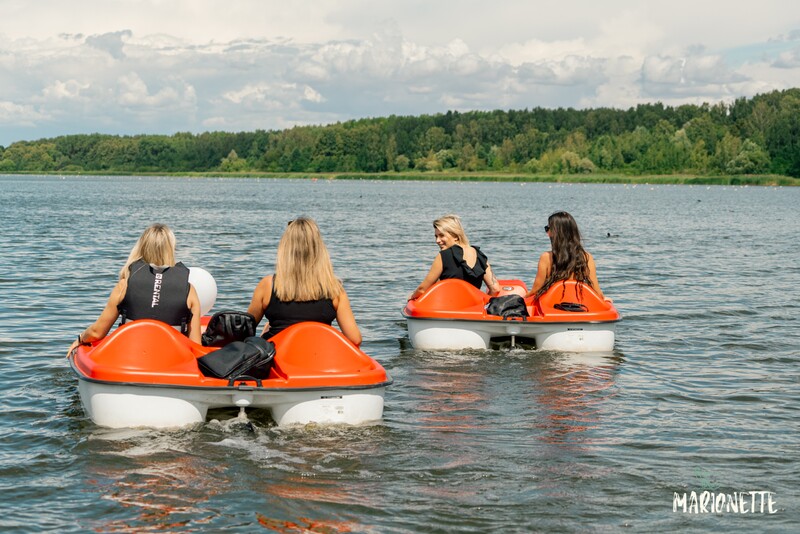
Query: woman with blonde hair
[[457, 258], [151, 286], [304, 287]]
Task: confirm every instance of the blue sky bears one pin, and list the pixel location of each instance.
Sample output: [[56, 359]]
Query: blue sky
[[164, 66]]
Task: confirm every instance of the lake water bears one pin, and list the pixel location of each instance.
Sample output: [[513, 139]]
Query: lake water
[[701, 393]]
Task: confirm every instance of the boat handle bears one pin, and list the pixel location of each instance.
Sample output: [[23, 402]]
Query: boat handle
[[571, 307], [244, 378]]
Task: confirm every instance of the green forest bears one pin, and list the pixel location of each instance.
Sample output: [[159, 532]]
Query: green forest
[[749, 136]]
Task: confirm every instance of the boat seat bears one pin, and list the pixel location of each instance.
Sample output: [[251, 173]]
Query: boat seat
[[142, 348], [317, 352], [452, 295], [570, 296]]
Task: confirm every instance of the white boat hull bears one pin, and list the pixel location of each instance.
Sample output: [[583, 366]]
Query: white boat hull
[[127, 405], [445, 334]]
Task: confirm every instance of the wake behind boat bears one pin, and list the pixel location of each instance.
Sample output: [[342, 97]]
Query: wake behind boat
[[145, 374], [569, 317]]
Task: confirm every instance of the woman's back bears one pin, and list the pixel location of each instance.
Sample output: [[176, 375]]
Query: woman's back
[[282, 315], [567, 259], [465, 264], [158, 293], [304, 287]]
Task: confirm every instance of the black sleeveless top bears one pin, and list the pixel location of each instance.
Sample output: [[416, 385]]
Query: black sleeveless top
[[454, 266], [156, 293], [281, 315]]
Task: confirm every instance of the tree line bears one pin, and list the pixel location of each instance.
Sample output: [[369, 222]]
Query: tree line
[[758, 135]]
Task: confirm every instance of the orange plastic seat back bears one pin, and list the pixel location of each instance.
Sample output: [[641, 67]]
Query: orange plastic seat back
[[143, 347], [447, 298], [309, 352], [570, 298]]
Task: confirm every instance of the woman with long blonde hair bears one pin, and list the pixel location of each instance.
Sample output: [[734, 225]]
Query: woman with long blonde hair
[[457, 258], [152, 285], [304, 287]]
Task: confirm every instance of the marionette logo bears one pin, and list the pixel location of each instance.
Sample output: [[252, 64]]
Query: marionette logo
[[157, 290], [741, 502], [709, 500]]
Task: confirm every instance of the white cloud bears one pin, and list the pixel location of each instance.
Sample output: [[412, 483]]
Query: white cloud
[[25, 115], [788, 60], [311, 95], [112, 43], [68, 90], [272, 96], [134, 92], [150, 66]]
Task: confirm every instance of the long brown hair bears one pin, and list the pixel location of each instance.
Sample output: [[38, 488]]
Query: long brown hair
[[570, 260], [303, 268]]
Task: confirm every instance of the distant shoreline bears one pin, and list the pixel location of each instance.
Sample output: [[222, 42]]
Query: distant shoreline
[[733, 180]]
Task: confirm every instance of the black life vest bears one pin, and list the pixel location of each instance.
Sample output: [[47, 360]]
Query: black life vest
[[454, 266], [157, 293]]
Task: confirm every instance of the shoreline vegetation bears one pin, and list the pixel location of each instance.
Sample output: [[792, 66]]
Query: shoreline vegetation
[[750, 141], [768, 180]]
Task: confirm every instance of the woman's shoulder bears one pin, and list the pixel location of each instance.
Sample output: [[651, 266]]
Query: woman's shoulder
[[448, 256], [119, 291], [480, 256], [341, 297], [266, 282]]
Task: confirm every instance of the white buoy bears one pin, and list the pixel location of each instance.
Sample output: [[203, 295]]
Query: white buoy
[[205, 286]]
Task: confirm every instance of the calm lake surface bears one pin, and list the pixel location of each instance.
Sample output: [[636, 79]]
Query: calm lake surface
[[701, 394]]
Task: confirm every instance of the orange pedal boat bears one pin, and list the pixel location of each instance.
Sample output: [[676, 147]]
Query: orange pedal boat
[[569, 317], [145, 374]]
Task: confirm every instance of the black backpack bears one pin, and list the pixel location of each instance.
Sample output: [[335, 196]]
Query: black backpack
[[227, 326], [251, 358], [507, 306]]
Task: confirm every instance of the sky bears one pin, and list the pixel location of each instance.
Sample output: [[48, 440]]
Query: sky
[[128, 67]]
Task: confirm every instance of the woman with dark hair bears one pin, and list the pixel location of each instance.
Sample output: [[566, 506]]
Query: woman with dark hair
[[567, 259]]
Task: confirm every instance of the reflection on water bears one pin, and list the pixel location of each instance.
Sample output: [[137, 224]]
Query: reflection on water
[[571, 391], [155, 476], [504, 440]]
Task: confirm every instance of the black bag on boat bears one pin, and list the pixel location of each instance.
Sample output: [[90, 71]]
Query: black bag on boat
[[507, 306], [252, 357], [227, 326]]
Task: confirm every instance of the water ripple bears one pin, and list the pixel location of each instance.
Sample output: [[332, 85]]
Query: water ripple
[[700, 392]]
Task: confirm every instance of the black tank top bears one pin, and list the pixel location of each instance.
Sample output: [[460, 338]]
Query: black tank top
[[281, 315], [155, 293], [454, 266]]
